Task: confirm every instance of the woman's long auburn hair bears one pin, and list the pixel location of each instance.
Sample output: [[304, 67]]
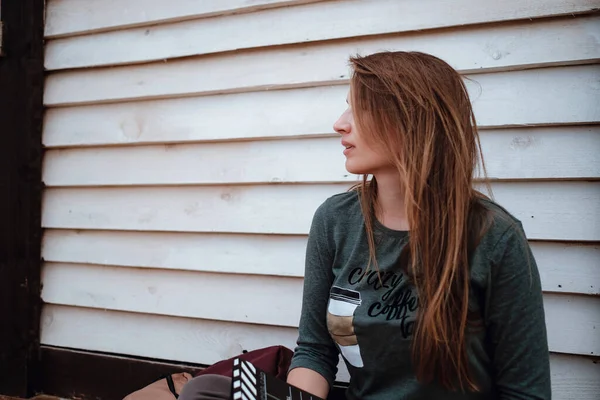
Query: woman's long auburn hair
[[415, 108]]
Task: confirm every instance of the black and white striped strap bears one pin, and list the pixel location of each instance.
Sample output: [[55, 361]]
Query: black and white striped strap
[[245, 381]]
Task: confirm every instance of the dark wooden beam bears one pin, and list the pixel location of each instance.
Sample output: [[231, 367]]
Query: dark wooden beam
[[21, 114], [84, 375]]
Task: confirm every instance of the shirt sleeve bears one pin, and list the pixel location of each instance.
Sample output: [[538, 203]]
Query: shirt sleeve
[[516, 321], [315, 348]]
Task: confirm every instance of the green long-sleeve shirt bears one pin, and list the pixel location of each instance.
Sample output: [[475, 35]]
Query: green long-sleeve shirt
[[371, 321]]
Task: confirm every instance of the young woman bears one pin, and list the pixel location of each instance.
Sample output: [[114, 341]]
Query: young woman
[[427, 288]]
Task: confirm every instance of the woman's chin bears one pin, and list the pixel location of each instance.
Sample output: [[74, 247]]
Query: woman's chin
[[355, 169]]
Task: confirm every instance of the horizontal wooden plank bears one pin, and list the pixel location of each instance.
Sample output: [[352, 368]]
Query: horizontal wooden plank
[[301, 24], [232, 253], [563, 89], [205, 342], [574, 377], [549, 210], [572, 322], [499, 100], [262, 254], [281, 161], [223, 297], [473, 50], [193, 209], [279, 113], [568, 267], [192, 340], [571, 319], [542, 153], [69, 17]]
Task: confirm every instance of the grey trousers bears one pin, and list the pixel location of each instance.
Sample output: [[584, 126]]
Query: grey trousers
[[207, 387]]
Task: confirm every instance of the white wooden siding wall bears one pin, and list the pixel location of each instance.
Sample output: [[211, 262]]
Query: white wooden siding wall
[[168, 125]]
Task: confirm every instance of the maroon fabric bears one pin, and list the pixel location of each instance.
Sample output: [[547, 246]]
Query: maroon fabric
[[274, 360]]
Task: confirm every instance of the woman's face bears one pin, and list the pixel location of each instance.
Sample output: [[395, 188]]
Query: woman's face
[[360, 157]]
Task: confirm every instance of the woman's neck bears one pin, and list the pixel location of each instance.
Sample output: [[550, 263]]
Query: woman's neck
[[391, 210]]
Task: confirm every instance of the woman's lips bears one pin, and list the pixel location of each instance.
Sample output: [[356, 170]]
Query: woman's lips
[[347, 147]]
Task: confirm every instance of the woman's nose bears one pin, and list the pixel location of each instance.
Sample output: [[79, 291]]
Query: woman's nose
[[342, 125]]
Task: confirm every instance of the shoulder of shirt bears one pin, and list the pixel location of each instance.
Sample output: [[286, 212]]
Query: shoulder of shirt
[[501, 217], [346, 205], [341, 202], [340, 206], [503, 226]]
